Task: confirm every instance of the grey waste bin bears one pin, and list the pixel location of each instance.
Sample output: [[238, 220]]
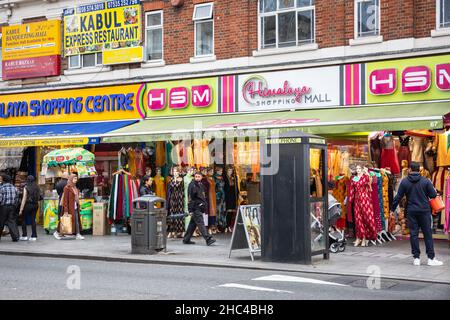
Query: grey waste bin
[[148, 225]]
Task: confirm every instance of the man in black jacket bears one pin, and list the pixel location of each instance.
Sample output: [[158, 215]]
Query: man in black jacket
[[418, 191], [197, 206]]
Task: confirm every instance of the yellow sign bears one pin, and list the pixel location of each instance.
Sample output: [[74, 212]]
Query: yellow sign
[[43, 142], [76, 105], [102, 26], [37, 39], [123, 55]]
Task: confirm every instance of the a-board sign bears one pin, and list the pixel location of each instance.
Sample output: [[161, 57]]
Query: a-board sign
[[247, 230]]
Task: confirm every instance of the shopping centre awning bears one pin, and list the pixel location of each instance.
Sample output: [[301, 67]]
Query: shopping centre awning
[[322, 121], [58, 134]]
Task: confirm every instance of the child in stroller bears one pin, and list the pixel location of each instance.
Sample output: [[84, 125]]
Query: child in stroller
[[336, 237]]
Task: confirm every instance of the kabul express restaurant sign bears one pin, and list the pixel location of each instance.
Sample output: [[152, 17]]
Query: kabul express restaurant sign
[[111, 27], [180, 97], [415, 79], [293, 89], [77, 105], [31, 50]]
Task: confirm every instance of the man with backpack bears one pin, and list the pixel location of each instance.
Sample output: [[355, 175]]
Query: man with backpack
[[8, 207], [418, 191]]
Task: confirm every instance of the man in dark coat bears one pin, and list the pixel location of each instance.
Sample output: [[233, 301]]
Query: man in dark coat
[[418, 191], [197, 206]]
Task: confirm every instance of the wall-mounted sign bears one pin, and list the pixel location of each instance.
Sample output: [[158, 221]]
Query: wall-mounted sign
[[185, 97], [113, 27], [31, 50], [293, 89], [77, 105]]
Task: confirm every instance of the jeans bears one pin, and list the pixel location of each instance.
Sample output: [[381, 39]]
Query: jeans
[[196, 221], [8, 216], [29, 210], [420, 220]]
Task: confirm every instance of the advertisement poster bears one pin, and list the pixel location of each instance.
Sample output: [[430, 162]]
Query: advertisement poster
[[31, 50], [252, 221], [103, 27]]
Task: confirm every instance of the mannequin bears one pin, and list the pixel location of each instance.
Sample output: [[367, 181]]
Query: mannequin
[[187, 180], [404, 153], [212, 202], [220, 199], [430, 155], [159, 184], [361, 201], [176, 199], [231, 197]]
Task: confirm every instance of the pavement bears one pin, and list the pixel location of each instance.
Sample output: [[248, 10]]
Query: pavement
[[391, 260]]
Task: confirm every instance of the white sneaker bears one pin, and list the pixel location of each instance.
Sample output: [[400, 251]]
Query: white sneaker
[[417, 262], [57, 235], [80, 237], [23, 238], [435, 262], [32, 239]]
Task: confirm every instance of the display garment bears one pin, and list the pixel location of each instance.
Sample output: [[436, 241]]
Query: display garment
[[160, 186], [345, 163], [380, 199], [388, 154], [430, 156], [375, 150], [169, 158], [315, 157], [220, 201], [404, 152], [417, 150], [376, 202], [205, 184], [140, 163], [361, 199], [198, 153], [131, 162], [255, 153], [316, 184], [190, 154], [438, 179], [446, 222], [160, 154], [231, 192], [212, 202], [443, 149], [340, 193], [385, 191], [176, 197]]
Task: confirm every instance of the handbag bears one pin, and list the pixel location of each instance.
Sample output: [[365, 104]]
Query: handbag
[[437, 205], [66, 224]]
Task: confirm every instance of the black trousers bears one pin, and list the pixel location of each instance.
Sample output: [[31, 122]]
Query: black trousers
[[8, 216], [29, 211], [420, 220], [196, 221]]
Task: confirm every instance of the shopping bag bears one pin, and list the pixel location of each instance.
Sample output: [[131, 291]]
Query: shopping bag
[[437, 205], [66, 224]]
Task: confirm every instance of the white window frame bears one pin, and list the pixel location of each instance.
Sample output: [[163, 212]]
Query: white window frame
[[438, 17], [276, 12], [80, 65], [198, 21], [161, 12], [356, 21]]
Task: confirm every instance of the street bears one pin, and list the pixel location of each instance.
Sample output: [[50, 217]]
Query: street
[[49, 279]]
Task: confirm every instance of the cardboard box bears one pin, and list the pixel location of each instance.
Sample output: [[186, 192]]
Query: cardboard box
[[100, 223]]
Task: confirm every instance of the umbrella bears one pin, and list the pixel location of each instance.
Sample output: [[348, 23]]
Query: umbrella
[[70, 156]]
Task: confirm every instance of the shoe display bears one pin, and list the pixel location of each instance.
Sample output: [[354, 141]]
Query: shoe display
[[435, 262], [416, 262]]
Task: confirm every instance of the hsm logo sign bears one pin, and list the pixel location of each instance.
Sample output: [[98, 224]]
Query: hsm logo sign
[[180, 97], [414, 79]]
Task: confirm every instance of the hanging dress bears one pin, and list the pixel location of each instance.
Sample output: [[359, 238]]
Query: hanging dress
[[376, 202], [404, 153], [375, 151], [176, 205], [212, 202], [205, 184], [417, 150], [380, 199], [388, 154], [340, 192], [230, 192], [160, 186], [361, 199]]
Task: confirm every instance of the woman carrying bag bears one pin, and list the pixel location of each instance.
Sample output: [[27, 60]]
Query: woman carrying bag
[[29, 208], [70, 222]]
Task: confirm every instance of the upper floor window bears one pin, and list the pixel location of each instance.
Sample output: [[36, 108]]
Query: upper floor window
[[286, 23], [367, 18], [443, 10], [204, 29], [154, 35], [85, 60]]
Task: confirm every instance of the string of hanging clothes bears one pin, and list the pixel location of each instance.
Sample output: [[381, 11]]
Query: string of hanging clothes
[[123, 191]]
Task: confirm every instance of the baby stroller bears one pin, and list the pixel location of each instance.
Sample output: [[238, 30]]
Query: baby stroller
[[336, 237]]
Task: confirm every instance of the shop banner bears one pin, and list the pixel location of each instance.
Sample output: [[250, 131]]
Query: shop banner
[[293, 89], [104, 26], [123, 55], [44, 142], [75, 105], [31, 50], [180, 97]]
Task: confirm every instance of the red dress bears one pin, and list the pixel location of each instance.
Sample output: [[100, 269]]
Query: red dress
[[360, 198], [389, 157]]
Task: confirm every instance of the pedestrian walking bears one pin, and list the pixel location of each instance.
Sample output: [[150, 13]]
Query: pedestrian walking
[[8, 207], [146, 186], [60, 190], [70, 202], [418, 191], [29, 208], [197, 206]]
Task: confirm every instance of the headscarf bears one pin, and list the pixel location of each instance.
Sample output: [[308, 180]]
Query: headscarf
[[72, 185]]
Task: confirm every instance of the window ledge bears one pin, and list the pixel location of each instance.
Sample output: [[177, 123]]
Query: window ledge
[[203, 59], [301, 48], [153, 64], [87, 70], [440, 32], [366, 40]]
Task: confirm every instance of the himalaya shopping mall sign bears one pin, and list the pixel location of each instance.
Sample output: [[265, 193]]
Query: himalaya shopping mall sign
[[293, 89]]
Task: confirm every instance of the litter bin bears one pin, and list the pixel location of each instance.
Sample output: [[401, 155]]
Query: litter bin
[[148, 225]]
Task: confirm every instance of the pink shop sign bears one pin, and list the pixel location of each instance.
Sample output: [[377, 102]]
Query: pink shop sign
[[180, 97]]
